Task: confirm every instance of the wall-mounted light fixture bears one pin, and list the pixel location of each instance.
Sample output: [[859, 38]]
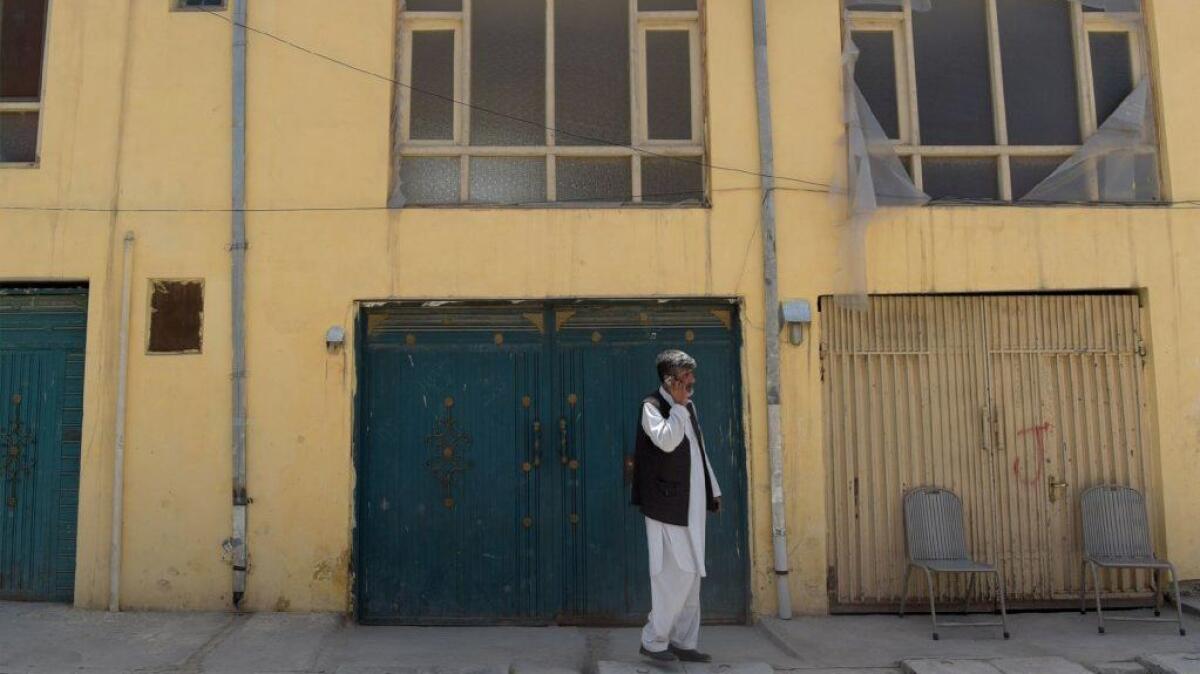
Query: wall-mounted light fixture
[[795, 314], [335, 338]]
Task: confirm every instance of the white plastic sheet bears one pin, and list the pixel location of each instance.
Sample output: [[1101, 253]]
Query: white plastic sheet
[[917, 5], [875, 178], [1117, 164]]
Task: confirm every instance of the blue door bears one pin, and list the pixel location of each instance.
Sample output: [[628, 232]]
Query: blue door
[[493, 450], [42, 339]]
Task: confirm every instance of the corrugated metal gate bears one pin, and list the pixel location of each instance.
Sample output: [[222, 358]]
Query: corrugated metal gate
[[1016, 402], [42, 335], [492, 447]]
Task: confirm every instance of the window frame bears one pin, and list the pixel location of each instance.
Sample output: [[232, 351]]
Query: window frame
[[1083, 25], [640, 145], [11, 106], [178, 6]]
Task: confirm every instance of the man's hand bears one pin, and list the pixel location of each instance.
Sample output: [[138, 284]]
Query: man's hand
[[718, 500], [679, 392]]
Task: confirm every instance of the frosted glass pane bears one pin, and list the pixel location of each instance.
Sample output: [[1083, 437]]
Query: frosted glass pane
[[434, 5], [1038, 53], [953, 76], [598, 180], [508, 72], [429, 180], [1028, 172], [432, 113], [22, 36], [875, 74], [670, 180], [592, 71], [669, 85], [961, 178], [18, 137], [666, 5], [1112, 71], [505, 180]]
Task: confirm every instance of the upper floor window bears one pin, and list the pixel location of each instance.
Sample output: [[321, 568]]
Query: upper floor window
[[200, 4], [511, 102], [984, 99], [22, 47]]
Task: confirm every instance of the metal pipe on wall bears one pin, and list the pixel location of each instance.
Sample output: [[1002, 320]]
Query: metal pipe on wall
[[237, 250], [771, 322], [118, 498]]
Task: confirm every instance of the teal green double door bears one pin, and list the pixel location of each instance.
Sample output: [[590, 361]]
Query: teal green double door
[[494, 450], [42, 336]]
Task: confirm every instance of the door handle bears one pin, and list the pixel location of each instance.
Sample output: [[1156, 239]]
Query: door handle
[[1054, 485]]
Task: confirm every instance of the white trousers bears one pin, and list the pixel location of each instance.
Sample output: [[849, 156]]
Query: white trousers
[[675, 607]]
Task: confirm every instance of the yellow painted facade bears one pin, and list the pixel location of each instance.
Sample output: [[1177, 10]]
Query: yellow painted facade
[[136, 117]]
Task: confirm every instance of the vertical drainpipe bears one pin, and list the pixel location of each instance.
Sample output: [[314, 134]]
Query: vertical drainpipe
[[237, 250], [118, 499], [766, 149]]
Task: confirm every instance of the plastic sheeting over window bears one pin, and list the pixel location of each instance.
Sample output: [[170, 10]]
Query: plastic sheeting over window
[[876, 178], [1117, 164]]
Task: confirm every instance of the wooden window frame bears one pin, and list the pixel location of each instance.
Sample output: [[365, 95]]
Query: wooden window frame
[[1083, 24], [10, 106], [460, 147]]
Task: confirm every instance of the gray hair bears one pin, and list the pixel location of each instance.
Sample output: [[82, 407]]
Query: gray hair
[[673, 362]]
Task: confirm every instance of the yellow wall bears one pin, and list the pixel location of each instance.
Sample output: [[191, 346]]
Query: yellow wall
[[137, 116]]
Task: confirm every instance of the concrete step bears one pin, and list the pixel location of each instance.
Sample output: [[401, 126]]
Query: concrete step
[[647, 667], [1117, 668], [1171, 663], [1047, 665]]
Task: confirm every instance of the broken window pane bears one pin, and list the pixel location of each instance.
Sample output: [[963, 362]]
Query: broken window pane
[[875, 74], [18, 137], [1037, 52], [953, 75], [592, 71], [669, 84], [22, 37], [666, 5], [432, 111], [508, 72], [1112, 71], [954, 178], [672, 180], [429, 180], [1028, 172], [433, 5], [508, 180], [599, 180], [176, 316]]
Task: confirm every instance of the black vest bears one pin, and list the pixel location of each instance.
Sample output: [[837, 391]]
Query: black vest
[[662, 480]]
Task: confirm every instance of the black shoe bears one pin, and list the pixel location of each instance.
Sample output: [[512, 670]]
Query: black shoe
[[661, 656], [689, 654]]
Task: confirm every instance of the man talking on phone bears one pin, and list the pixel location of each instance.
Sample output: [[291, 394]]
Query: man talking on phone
[[674, 485]]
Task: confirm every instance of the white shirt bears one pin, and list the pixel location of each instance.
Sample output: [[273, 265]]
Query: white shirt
[[687, 543]]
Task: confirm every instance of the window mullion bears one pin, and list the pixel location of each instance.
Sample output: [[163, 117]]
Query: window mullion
[[551, 125], [636, 117], [914, 118], [1083, 73], [464, 95], [999, 111]]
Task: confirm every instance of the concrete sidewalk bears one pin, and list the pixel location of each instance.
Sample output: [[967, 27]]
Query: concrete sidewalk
[[39, 638]]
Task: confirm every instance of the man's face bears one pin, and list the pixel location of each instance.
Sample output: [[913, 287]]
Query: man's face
[[688, 378]]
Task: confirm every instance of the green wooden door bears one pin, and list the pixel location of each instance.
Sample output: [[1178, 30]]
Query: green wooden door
[[42, 339], [491, 461]]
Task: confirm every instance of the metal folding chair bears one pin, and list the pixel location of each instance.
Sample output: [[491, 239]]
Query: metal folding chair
[[1116, 535], [936, 543]]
